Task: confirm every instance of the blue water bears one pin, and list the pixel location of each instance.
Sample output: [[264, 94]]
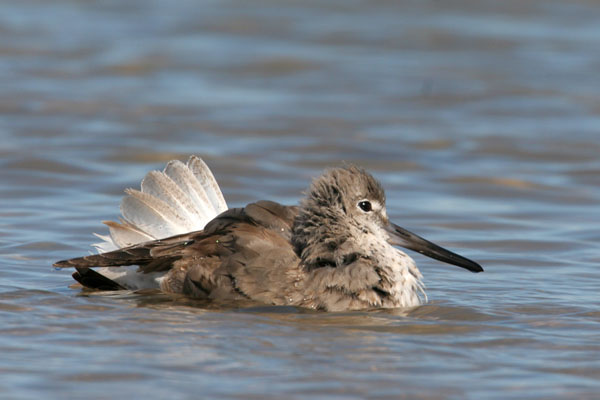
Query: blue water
[[480, 119]]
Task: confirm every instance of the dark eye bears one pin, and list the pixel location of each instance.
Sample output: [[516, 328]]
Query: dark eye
[[365, 205]]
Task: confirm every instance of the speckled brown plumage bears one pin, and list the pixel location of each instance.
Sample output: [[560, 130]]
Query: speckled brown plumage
[[329, 253]]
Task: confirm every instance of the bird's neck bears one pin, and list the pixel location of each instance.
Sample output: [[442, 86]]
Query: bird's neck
[[341, 254], [320, 239], [401, 280]]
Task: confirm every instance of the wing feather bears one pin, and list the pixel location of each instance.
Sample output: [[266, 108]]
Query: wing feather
[[182, 198], [208, 182], [151, 215]]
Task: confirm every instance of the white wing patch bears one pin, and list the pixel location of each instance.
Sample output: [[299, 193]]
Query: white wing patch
[[208, 182], [180, 199]]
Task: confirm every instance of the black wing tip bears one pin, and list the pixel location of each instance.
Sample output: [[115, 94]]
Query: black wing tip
[[92, 279]]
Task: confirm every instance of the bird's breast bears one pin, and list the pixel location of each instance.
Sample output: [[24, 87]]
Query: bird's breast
[[400, 278]]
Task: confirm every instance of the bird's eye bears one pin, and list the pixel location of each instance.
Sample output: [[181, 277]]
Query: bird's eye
[[365, 205]]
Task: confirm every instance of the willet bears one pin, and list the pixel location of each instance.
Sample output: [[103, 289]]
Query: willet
[[335, 251]]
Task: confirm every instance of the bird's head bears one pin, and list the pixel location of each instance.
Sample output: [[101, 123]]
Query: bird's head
[[345, 207]]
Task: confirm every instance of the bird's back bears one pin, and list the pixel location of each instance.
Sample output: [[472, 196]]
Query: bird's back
[[244, 253]]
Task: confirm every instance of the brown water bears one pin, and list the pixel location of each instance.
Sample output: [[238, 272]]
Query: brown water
[[481, 119]]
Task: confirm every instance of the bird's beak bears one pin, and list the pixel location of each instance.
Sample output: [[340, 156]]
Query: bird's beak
[[401, 237]]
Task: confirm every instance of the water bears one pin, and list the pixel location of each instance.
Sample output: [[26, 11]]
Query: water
[[481, 119]]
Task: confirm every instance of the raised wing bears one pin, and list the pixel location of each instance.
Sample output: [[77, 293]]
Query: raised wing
[[235, 253], [180, 199]]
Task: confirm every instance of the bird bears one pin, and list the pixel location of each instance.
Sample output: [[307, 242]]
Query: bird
[[336, 250]]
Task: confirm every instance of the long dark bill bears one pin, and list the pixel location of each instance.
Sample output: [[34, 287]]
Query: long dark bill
[[401, 237]]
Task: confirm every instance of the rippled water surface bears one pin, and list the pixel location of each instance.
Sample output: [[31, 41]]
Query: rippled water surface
[[480, 118]]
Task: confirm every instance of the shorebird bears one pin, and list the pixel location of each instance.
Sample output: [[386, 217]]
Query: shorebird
[[335, 251]]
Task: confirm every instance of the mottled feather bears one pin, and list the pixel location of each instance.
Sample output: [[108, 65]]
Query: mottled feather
[[333, 252]]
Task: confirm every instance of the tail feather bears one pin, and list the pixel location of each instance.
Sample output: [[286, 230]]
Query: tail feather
[[182, 198], [154, 256], [124, 234], [161, 186], [151, 215], [107, 244], [188, 183], [207, 179]]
